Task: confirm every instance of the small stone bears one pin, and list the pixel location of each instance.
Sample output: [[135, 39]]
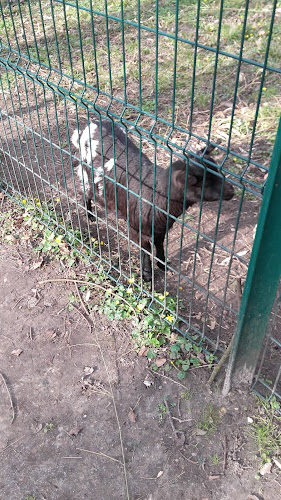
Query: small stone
[[266, 468]]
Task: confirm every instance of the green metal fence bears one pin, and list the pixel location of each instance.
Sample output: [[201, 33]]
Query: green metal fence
[[176, 76]]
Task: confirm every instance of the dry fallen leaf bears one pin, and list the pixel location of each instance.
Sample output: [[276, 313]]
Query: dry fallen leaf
[[64, 248], [212, 324], [160, 473], [75, 431], [37, 264], [32, 302], [37, 427], [149, 380], [200, 432], [132, 416], [17, 352], [160, 362], [224, 262], [277, 462], [142, 351], [88, 370], [51, 334], [11, 238]]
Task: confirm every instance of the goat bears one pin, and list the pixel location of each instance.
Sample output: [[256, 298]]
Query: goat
[[119, 161]]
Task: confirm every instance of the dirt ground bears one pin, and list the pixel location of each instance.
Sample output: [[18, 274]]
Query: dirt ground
[[87, 426]]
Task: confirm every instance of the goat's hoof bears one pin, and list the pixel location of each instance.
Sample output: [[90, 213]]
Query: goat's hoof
[[147, 276], [91, 217]]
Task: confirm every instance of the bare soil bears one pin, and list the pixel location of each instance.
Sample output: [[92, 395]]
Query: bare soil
[[79, 396]]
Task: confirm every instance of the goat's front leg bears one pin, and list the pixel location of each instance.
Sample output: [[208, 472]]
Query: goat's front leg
[[158, 242], [89, 210], [146, 262]]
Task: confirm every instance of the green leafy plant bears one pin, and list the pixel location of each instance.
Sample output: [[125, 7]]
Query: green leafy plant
[[152, 320], [183, 355], [161, 411], [210, 419], [48, 428], [266, 429]]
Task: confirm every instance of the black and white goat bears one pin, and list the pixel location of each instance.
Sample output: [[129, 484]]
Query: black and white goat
[[118, 161]]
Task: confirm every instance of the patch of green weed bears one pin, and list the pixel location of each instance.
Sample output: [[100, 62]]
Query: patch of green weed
[[210, 419], [266, 430], [47, 428]]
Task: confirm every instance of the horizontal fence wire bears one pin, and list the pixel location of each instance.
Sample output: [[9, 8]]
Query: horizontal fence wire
[[174, 77]]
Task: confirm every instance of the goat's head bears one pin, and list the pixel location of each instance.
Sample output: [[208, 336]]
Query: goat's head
[[201, 177]]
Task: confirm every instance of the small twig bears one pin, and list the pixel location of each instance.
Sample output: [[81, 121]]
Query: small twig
[[172, 480], [81, 301], [11, 444], [60, 311], [88, 283], [227, 352], [181, 421], [170, 417], [125, 354], [188, 459], [168, 378], [31, 333], [136, 403], [101, 454], [85, 317], [20, 255], [81, 345], [224, 453], [179, 402], [10, 398], [88, 318], [178, 435], [3, 198], [5, 337], [201, 366], [18, 301]]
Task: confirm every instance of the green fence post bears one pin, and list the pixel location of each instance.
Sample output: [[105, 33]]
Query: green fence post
[[261, 282]]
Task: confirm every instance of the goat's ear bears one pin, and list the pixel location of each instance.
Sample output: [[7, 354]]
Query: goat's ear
[[178, 179]]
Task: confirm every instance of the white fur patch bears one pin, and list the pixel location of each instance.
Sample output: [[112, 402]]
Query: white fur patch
[[98, 176], [75, 138], [83, 176], [88, 144], [109, 164], [100, 188]]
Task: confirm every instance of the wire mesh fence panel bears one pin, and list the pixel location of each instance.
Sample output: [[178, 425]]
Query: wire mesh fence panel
[[267, 381], [109, 113]]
